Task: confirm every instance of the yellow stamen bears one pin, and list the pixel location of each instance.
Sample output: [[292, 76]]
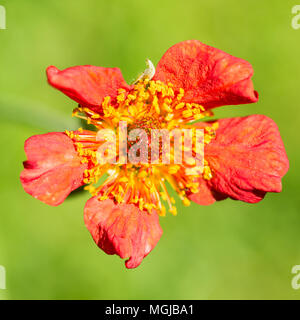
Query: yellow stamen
[[148, 105]]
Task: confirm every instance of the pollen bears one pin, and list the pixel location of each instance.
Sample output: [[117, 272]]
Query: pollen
[[148, 105]]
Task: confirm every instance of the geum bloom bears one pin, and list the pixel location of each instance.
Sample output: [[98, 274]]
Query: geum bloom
[[244, 158]]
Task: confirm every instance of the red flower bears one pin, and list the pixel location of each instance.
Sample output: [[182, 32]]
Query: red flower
[[244, 158]]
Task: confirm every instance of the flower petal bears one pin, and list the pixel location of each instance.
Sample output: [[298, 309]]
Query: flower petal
[[209, 76], [122, 229], [87, 85], [53, 168], [247, 158], [206, 195]]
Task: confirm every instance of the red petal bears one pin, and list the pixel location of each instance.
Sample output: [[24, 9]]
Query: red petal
[[206, 195], [53, 168], [122, 229], [208, 75], [247, 158], [87, 85]]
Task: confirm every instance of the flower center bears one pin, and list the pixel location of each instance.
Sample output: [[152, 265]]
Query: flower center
[[147, 123], [148, 126], [148, 105]]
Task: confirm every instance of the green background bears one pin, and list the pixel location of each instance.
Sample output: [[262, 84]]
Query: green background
[[230, 250]]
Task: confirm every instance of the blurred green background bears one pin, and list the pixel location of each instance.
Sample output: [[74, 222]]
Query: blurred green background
[[230, 250]]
